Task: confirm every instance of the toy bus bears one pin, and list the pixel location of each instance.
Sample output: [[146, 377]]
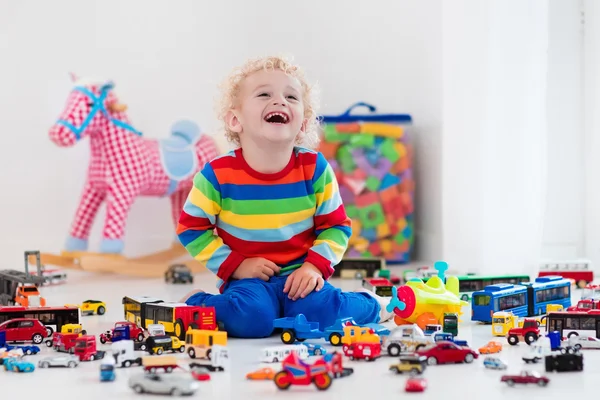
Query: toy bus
[[53, 318], [175, 317], [578, 270], [525, 300], [571, 323], [467, 284]]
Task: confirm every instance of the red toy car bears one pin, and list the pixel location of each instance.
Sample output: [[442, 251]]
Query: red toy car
[[415, 385], [24, 330], [297, 372], [525, 377], [447, 352], [363, 351]]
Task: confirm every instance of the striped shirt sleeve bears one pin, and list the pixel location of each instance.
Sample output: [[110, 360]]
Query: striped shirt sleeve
[[333, 227], [197, 224]]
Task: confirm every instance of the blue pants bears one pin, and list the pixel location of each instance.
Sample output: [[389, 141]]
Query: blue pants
[[247, 307]]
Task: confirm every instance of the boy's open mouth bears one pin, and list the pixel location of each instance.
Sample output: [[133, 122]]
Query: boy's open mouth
[[277, 117]]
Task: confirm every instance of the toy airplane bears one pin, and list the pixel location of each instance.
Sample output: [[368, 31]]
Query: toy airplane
[[425, 303]]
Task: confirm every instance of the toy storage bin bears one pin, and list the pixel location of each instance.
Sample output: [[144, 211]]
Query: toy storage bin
[[372, 160]]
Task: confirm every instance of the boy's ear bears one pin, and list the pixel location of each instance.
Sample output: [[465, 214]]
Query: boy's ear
[[304, 125], [233, 122]]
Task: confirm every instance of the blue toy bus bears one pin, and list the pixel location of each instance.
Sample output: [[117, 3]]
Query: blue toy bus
[[524, 300]]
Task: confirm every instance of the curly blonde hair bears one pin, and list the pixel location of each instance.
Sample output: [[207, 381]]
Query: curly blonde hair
[[231, 86]]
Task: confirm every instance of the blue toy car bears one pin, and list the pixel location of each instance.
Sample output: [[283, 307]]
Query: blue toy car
[[16, 365], [494, 363], [315, 349], [107, 370], [28, 350]]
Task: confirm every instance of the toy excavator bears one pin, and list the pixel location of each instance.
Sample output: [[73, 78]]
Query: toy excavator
[[425, 303]]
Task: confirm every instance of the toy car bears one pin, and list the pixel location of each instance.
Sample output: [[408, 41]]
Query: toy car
[[584, 342], [200, 374], [490, 348], [107, 370], [67, 360], [24, 330], [494, 363], [18, 365], [447, 352], [90, 307], [415, 385], [411, 364], [315, 349], [525, 377], [178, 273], [173, 384], [263, 374]]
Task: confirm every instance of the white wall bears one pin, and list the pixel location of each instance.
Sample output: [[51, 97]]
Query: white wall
[[592, 129], [564, 211], [494, 134], [166, 59]]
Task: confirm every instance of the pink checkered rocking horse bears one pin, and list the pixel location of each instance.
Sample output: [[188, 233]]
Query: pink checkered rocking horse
[[124, 164]]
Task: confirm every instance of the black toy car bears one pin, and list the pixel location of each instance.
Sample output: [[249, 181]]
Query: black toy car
[[178, 273], [564, 362]]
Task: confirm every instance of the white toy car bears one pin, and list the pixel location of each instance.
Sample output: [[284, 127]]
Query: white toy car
[[173, 384], [584, 342], [67, 360]]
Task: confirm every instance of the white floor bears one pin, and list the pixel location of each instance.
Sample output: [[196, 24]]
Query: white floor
[[370, 380]]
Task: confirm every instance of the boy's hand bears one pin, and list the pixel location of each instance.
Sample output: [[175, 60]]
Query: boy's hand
[[303, 281], [257, 267]]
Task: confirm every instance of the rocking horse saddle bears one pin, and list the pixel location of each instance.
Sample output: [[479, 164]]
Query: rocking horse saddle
[[178, 152]]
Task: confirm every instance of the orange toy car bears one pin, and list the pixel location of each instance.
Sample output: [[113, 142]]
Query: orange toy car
[[490, 348], [263, 374]]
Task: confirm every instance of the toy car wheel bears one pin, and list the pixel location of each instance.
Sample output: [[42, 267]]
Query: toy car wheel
[[432, 361], [542, 383], [394, 350], [464, 297], [101, 310], [48, 343], [530, 337], [49, 331], [469, 358], [318, 352], [102, 340], [510, 382], [138, 389], [84, 332], [513, 340], [72, 364], [44, 364], [192, 353], [335, 339], [282, 380], [37, 338], [288, 336]]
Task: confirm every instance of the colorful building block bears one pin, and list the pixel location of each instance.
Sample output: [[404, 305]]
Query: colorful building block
[[331, 134], [390, 180], [375, 249], [381, 129], [372, 183], [366, 199], [383, 230], [386, 246], [371, 216], [353, 127], [362, 140]]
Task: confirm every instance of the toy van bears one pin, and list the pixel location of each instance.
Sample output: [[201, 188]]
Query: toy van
[[278, 353]]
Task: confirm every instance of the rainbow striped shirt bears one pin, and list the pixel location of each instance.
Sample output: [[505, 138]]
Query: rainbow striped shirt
[[290, 217]]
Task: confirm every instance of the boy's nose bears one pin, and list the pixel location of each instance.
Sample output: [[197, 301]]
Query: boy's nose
[[279, 103]]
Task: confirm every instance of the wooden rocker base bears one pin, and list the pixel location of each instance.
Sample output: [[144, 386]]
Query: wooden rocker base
[[149, 266]]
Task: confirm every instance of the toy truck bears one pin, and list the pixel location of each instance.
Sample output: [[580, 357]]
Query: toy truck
[[85, 348], [529, 332], [363, 351], [219, 360], [160, 343], [123, 330], [124, 353], [64, 341], [201, 341], [379, 286], [359, 334], [153, 364], [564, 362], [18, 287], [439, 336]]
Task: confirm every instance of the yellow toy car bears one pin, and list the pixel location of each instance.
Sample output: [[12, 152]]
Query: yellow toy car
[[90, 307], [414, 365]]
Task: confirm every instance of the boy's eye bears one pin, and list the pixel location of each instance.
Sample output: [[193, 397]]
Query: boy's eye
[[292, 97], [263, 94]]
